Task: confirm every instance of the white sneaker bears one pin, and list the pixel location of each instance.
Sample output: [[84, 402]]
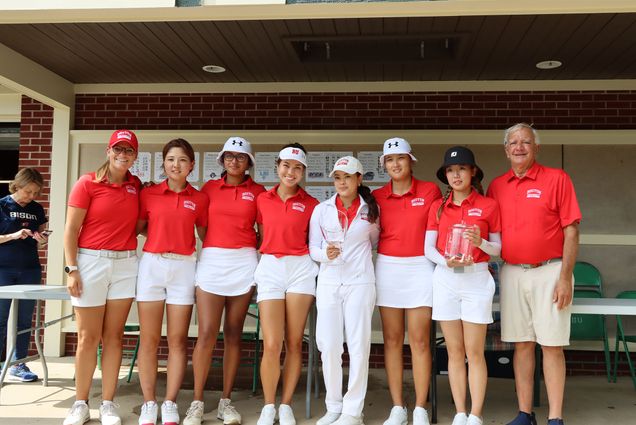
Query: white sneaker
[[460, 419], [286, 415], [345, 419], [108, 413], [420, 416], [194, 415], [169, 413], [149, 412], [474, 420], [328, 418], [78, 414], [227, 413], [398, 416], [268, 415]]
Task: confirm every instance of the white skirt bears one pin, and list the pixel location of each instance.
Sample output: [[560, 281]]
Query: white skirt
[[225, 271], [404, 282]]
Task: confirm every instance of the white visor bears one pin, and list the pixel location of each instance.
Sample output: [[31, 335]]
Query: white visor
[[293, 153]]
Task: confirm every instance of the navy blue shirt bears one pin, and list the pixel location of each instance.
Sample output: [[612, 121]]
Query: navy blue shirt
[[20, 253]]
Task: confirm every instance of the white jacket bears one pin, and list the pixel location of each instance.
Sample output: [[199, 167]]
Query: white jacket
[[359, 241]]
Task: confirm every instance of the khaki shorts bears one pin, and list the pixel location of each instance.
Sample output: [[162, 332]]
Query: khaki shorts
[[527, 310]]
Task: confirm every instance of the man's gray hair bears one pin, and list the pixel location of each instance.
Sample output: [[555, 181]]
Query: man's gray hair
[[521, 126]]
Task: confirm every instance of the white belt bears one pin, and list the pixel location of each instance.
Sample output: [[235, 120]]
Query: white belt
[[106, 253], [477, 267], [180, 257]]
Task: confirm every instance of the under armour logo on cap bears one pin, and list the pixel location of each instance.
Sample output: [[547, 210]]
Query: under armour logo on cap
[[236, 144], [394, 146], [453, 154]]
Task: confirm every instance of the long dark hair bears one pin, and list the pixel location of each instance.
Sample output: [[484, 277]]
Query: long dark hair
[[374, 211], [474, 182]]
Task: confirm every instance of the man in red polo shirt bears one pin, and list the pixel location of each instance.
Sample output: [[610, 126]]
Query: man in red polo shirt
[[540, 217]]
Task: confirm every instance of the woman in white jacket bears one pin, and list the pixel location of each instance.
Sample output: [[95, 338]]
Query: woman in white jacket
[[345, 295]]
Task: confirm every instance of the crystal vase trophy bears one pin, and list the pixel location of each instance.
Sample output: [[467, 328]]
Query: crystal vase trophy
[[334, 232], [457, 246]]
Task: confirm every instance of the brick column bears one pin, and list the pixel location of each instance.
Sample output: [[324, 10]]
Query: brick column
[[36, 132]]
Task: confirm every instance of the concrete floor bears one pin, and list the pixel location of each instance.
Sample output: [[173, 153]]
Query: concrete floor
[[589, 400]]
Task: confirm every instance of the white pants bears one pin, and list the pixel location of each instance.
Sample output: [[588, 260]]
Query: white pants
[[344, 311]]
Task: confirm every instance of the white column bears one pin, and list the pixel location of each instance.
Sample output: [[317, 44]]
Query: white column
[[53, 336]]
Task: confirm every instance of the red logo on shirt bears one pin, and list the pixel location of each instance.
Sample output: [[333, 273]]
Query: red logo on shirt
[[190, 205], [533, 193], [474, 212], [298, 206], [417, 202], [131, 189], [248, 196]]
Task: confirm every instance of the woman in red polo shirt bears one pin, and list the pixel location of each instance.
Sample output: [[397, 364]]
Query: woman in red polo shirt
[[285, 279], [462, 285], [342, 234], [101, 264], [225, 274], [404, 276], [169, 213]]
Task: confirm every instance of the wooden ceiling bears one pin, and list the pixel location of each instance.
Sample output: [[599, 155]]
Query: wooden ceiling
[[591, 46]]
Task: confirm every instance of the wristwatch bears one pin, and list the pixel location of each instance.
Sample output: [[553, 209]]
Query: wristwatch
[[69, 269]]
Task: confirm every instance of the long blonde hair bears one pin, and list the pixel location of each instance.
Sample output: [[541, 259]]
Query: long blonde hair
[[102, 171]]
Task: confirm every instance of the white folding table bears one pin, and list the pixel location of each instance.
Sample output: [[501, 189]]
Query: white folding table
[[29, 292]]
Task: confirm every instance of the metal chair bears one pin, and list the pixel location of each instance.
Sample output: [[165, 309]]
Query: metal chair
[[591, 327], [620, 336], [588, 277]]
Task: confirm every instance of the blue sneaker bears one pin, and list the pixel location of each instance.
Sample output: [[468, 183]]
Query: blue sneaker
[[20, 372], [555, 422], [524, 418]]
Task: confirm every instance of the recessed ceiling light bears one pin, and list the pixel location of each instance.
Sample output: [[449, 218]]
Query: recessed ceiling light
[[214, 69], [551, 64]]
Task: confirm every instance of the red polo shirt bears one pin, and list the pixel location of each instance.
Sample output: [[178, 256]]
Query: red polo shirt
[[476, 209], [349, 212], [111, 212], [231, 214], [403, 218], [534, 210], [172, 218], [285, 224]]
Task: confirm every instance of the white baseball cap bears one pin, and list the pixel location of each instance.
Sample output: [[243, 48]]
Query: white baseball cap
[[236, 144], [396, 145], [347, 164], [293, 153]]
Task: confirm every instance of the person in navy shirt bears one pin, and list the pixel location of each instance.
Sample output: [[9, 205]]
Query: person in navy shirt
[[22, 233]]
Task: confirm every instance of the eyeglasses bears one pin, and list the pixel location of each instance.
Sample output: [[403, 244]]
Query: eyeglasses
[[229, 157], [119, 149]]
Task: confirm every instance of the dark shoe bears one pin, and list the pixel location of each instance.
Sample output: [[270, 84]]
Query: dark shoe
[[524, 418], [555, 421]]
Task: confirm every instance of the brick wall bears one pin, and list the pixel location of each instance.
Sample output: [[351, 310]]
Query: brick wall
[[36, 132], [333, 111]]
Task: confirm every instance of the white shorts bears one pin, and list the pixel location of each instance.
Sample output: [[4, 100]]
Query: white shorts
[[277, 276], [226, 272], [105, 279], [404, 282], [166, 279], [527, 310], [463, 296]]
